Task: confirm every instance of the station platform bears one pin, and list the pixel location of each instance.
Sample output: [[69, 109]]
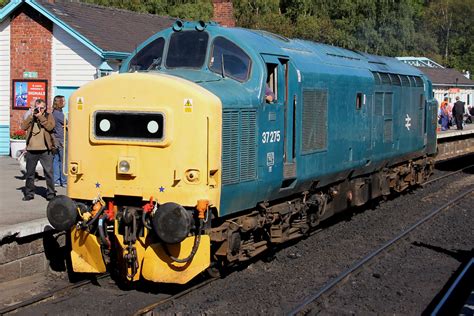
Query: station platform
[[453, 132], [19, 218]]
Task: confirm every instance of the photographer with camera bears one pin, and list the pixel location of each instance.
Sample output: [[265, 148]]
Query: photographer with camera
[[39, 147]]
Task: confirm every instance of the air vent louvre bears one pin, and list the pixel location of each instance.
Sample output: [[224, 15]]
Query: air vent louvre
[[314, 129]]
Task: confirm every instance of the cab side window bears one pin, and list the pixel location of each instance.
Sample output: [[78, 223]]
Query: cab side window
[[271, 88], [229, 60], [149, 57]]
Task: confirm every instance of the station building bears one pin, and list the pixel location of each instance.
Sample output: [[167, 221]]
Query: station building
[[447, 82], [52, 47], [450, 83]]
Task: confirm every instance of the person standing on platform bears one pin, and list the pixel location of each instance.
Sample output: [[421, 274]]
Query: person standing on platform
[[444, 115], [458, 113], [39, 145], [58, 104]]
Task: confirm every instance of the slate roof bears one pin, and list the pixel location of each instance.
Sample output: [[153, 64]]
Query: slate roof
[[446, 76], [108, 28]]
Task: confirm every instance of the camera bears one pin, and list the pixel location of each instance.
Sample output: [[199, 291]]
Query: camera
[[36, 111]]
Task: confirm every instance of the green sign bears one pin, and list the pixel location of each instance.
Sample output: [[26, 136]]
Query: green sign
[[30, 75]]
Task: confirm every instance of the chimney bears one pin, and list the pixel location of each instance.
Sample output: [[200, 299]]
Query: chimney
[[223, 12]]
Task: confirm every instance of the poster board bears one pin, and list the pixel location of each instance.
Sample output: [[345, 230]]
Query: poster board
[[27, 90]]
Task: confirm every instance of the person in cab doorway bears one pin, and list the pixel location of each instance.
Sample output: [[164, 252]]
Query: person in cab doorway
[[58, 160], [269, 94], [458, 113], [39, 146]]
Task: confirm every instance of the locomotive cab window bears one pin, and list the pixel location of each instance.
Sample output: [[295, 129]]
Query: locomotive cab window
[[187, 49], [271, 85], [359, 100], [229, 60], [149, 57]]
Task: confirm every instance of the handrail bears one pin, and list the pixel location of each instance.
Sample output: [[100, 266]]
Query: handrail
[[64, 160]]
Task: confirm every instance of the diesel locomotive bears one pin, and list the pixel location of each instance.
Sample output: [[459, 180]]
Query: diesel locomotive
[[179, 164]]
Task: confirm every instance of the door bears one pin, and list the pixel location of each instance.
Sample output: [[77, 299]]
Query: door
[[278, 122]]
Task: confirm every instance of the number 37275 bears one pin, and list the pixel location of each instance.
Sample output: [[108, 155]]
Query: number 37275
[[271, 137]]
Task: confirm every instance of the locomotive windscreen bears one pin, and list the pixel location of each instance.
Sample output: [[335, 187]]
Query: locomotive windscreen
[[187, 49], [143, 126]]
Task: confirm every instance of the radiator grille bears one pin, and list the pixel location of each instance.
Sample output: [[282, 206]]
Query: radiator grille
[[387, 104], [388, 131], [314, 129], [395, 79], [230, 147], [385, 78], [405, 81], [239, 146], [248, 150], [378, 103]]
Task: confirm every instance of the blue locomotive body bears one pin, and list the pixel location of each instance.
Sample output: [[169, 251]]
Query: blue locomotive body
[[337, 114]]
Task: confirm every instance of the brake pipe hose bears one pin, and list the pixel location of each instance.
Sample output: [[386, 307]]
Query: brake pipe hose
[[197, 240]]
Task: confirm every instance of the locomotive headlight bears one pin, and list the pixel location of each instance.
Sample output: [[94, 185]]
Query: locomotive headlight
[[126, 166]]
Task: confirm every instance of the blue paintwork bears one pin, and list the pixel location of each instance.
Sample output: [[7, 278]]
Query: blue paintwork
[[4, 140], [8, 8], [355, 137]]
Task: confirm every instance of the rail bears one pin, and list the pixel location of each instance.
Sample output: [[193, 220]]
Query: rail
[[311, 298]]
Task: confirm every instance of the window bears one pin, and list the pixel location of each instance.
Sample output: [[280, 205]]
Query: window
[[236, 62], [359, 100], [272, 78], [187, 49], [149, 57]]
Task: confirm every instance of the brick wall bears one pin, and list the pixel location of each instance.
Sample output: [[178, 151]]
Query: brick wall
[[31, 40], [223, 12]]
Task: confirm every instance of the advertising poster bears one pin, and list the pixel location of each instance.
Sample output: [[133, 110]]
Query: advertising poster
[[26, 91]]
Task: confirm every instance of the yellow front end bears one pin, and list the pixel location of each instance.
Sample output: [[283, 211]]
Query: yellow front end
[[182, 167]]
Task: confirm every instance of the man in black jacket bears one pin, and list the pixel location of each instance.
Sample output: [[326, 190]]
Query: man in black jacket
[[458, 112]]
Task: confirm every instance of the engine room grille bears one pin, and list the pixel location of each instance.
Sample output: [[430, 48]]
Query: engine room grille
[[378, 103], [239, 146], [388, 131], [248, 148], [314, 129], [387, 104]]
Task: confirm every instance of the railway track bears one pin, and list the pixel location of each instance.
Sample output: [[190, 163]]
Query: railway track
[[447, 175], [148, 310], [63, 290], [50, 295], [312, 297]]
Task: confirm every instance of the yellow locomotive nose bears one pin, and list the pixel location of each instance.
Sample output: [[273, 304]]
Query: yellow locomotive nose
[[135, 138], [149, 135]]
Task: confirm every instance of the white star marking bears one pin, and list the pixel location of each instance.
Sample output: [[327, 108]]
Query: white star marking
[[408, 120]]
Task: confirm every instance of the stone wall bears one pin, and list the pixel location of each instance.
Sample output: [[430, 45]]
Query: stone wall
[[454, 147], [22, 257]]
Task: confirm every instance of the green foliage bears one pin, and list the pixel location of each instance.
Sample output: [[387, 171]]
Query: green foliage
[[438, 29], [3, 3], [442, 30]]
